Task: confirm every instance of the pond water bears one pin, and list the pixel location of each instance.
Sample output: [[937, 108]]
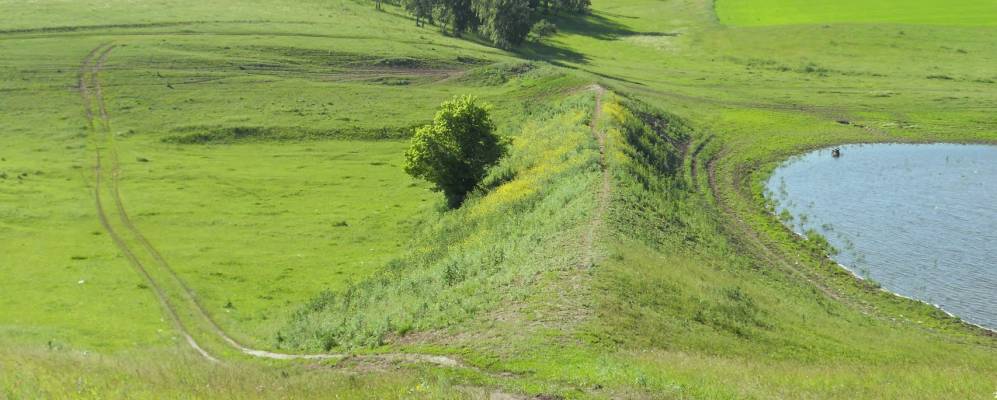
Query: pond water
[[920, 219]]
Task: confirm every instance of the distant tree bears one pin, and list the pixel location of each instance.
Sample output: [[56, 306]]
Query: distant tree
[[458, 14], [571, 6], [542, 29], [455, 151], [422, 10], [505, 22]]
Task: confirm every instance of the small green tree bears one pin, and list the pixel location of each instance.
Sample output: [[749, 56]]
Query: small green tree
[[455, 151], [541, 30], [422, 10]]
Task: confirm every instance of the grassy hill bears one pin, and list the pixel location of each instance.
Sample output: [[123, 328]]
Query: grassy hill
[[251, 191]]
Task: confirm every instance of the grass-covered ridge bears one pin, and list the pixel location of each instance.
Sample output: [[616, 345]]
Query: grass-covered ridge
[[242, 134], [621, 251], [526, 224]]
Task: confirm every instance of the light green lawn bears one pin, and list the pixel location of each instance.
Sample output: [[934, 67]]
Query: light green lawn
[[792, 12], [258, 226]]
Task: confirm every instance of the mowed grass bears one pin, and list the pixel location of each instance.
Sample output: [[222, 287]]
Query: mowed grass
[[789, 12]]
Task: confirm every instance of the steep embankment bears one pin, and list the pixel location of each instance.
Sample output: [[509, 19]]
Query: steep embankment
[[690, 281], [533, 225]]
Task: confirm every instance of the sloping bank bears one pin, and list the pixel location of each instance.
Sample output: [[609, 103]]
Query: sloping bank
[[490, 254], [675, 304]]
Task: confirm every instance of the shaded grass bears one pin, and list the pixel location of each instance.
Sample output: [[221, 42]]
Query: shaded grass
[[243, 134]]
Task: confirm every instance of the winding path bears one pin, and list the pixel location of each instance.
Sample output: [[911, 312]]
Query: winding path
[[181, 305], [89, 88]]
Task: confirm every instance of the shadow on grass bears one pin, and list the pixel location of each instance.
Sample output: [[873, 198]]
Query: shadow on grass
[[556, 55], [595, 25]]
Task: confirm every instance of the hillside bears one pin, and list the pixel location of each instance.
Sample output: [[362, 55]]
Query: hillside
[[206, 200]]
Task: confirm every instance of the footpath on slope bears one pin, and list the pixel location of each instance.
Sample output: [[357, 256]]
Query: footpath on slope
[[602, 197], [87, 78]]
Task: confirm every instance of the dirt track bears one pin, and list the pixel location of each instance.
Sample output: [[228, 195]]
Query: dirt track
[[87, 79], [140, 247], [91, 93], [605, 188]]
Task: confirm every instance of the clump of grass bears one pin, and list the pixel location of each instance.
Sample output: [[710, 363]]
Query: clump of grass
[[819, 244], [496, 74], [400, 62], [249, 134], [813, 68], [392, 81]]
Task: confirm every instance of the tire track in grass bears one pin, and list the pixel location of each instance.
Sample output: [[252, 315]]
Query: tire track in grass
[[694, 162], [88, 77], [755, 244]]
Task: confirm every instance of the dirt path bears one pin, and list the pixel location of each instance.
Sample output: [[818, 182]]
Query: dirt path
[[753, 242], [694, 162], [605, 188], [87, 79], [91, 93]]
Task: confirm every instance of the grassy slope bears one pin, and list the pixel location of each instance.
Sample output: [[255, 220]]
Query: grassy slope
[[681, 303], [193, 200]]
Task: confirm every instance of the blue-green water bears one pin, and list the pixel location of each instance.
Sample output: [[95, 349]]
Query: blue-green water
[[920, 219]]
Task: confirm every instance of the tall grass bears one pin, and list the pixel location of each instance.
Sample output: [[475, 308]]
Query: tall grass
[[39, 373]]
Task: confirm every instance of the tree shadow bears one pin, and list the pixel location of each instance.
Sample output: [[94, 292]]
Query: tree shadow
[[595, 25], [555, 55]]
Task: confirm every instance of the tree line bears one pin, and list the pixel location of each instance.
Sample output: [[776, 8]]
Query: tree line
[[506, 23]]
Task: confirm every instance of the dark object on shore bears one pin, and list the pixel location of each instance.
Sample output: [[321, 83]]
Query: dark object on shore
[[836, 152]]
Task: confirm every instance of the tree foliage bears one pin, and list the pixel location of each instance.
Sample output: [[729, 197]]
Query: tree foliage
[[507, 23], [455, 151], [542, 29], [422, 10]]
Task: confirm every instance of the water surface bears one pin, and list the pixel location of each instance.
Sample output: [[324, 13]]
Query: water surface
[[920, 219]]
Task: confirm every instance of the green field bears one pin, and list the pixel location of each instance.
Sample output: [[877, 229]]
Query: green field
[[250, 181], [794, 12]]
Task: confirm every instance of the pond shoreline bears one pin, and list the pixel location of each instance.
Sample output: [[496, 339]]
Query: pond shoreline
[[977, 159]]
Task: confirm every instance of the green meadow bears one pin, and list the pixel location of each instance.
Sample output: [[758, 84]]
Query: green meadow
[[232, 171], [793, 12]]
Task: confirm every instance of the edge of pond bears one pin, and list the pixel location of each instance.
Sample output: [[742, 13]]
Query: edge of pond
[[766, 168]]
